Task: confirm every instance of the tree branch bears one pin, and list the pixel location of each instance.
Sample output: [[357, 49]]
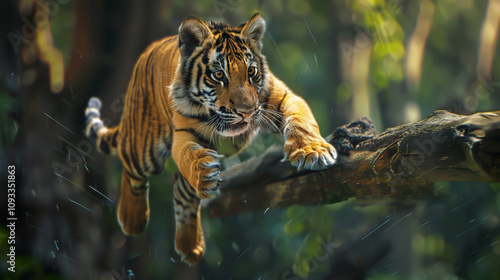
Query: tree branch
[[400, 164]]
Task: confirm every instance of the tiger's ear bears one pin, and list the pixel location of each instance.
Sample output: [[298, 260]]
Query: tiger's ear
[[254, 29], [192, 33]]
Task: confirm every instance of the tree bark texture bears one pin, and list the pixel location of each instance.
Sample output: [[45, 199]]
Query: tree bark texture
[[399, 165]]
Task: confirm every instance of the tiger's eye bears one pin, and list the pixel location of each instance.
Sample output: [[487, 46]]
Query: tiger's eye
[[218, 75], [252, 71]]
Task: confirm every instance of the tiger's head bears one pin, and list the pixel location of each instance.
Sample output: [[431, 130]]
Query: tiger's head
[[221, 78]]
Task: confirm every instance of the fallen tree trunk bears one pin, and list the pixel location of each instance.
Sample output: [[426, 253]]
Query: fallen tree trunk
[[400, 164]]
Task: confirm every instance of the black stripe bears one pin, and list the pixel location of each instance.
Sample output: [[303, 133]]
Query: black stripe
[[193, 101], [132, 157], [92, 115], [157, 158], [187, 187], [133, 176], [130, 161], [150, 153], [188, 71], [238, 56], [145, 112], [204, 59], [168, 141], [200, 138], [113, 139], [148, 65], [103, 146], [178, 202], [92, 136], [184, 195], [266, 96], [123, 146], [185, 204], [166, 108], [209, 93], [145, 127], [279, 106], [201, 118], [149, 68], [208, 81], [198, 78], [169, 40], [237, 40], [261, 66]]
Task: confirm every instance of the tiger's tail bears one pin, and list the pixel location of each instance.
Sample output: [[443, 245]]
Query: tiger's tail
[[104, 138]]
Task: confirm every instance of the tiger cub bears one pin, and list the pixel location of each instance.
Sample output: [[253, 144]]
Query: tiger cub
[[201, 95]]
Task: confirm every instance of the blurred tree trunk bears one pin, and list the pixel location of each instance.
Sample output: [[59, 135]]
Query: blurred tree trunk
[[58, 214]]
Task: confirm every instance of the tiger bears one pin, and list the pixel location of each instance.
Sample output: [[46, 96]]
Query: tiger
[[200, 96]]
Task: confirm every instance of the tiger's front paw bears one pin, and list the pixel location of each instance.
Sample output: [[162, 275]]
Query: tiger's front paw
[[206, 170], [313, 155]]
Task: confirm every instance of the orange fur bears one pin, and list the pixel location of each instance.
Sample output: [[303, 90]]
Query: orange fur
[[189, 95]]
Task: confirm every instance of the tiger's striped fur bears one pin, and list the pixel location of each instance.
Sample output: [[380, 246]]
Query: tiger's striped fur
[[201, 95]]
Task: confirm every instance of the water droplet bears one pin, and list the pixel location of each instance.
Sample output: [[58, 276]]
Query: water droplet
[[235, 247], [53, 254]]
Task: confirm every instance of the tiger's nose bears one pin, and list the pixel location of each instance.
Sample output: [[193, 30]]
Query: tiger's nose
[[244, 114]]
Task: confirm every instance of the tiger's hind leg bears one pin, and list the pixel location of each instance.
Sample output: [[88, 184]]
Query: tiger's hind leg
[[133, 206], [189, 241]]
